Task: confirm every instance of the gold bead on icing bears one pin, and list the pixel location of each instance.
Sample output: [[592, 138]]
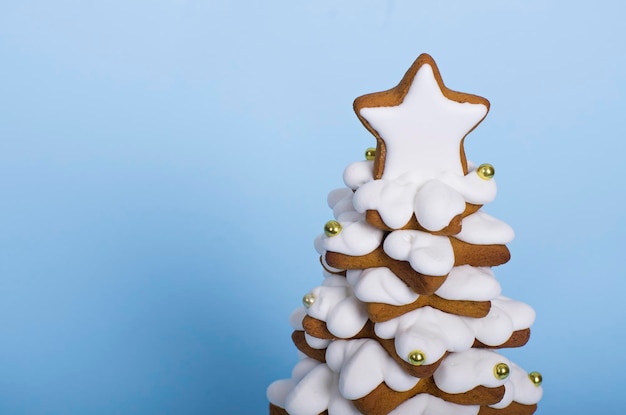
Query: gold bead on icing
[[332, 228], [417, 358], [308, 300], [535, 378], [485, 171], [370, 153], [501, 371]]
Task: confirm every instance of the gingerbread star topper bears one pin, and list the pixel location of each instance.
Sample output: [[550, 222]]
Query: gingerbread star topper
[[420, 125]]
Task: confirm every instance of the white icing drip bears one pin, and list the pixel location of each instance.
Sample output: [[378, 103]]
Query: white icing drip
[[429, 330], [359, 173], [326, 298], [392, 199], [436, 204], [461, 372], [471, 187], [505, 317], [340, 201], [526, 392], [522, 315], [380, 285], [482, 229], [278, 391], [339, 405], [363, 364], [470, 283], [348, 318], [519, 388], [336, 305], [337, 196], [425, 131], [427, 254], [315, 342], [312, 394], [425, 404], [356, 238], [332, 280], [313, 388], [302, 368], [493, 329], [349, 216]]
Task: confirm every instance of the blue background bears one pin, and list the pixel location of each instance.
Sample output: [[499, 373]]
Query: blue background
[[164, 167]]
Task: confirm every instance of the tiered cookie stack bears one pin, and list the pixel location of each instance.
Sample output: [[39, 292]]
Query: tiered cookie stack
[[409, 316]]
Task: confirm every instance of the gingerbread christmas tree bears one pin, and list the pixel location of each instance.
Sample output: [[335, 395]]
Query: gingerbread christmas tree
[[410, 317]]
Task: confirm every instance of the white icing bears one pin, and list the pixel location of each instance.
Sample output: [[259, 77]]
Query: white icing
[[482, 229], [340, 201], [339, 405], [463, 371], [471, 187], [426, 130], [470, 283], [336, 305], [333, 280], [425, 404], [429, 330], [302, 368], [356, 237], [363, 364], [526, 392], [337, 196], [436, 204], [505, 317], [278, 391], [519, 388], [311, 395], [380, 285], [522, 315], [493, 329], [397, 200], [392, 199], [435, 332], [359, 173], [348, 318], [316, 343], [313, 388], [428, 254]]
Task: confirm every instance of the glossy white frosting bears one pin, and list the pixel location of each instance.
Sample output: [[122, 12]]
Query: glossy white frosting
[[336, 305], [428, 254], [363, 364], [424, 404]]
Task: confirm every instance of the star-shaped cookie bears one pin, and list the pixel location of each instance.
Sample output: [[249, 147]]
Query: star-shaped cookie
[[420, 124]]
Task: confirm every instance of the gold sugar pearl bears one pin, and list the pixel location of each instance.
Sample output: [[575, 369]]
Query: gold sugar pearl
[[501, 371], [308, 300], [370, 153], [417, 358], [485, 171], [535, 378], [332, 228]]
